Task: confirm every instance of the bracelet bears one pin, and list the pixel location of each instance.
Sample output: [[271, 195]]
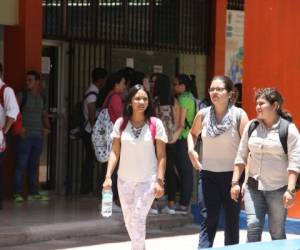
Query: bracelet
[[292, 192], [234, 183], [160, 181], [107, 177]]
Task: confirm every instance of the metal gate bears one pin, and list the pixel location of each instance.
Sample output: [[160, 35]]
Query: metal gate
[[93, 27], [83, 58]]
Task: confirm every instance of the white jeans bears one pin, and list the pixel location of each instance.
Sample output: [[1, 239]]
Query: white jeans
[[136, 200]]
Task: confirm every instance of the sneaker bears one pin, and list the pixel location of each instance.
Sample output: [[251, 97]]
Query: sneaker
[[167, 210], [37, 197], [18, 198], [153, 211], [181, 210], [116, 208]]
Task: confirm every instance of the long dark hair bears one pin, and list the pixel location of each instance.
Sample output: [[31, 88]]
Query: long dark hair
[[127, 112], [185, 80], [194, 86], [112, 80], [272, 95], [162, 90]]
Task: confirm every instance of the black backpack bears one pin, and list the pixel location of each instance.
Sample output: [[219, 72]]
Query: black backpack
[[78, 121], [283, 136]]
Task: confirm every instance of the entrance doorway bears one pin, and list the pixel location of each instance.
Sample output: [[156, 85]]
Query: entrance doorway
[[47, 173], [52, 175]]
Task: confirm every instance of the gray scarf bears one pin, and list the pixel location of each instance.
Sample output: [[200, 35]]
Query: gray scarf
[[213, 128]]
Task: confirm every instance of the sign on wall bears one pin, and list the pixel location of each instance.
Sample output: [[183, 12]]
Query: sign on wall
[[9, 12], [234, 46]]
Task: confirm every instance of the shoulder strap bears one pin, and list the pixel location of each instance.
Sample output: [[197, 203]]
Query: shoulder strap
[[24, 100], [123, 124], [252, 127], [238, 120], [90, 93], [107, 100], [283, 133], [152, 126]]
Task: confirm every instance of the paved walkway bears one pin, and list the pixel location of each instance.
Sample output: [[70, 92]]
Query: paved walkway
[[62, 218], [66, 217]]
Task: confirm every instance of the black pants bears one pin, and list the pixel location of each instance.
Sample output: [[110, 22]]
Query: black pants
[[114, 178], [216, 193], [185, 171], [171, 178], [88, 167]]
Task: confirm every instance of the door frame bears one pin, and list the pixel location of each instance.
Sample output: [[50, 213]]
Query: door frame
[[61, 124]]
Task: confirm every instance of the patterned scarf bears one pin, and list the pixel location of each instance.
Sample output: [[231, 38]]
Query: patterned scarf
[[213, 128]]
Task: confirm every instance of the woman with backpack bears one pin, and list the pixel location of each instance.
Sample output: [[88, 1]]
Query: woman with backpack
[[220, 126], [270, 147], [182, 86], [111, 97], [139, 141], [167, 109]]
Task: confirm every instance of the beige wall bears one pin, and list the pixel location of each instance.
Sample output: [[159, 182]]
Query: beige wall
[[9, 12], [196, 65]]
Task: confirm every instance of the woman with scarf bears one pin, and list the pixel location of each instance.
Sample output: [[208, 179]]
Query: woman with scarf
[[220, 126]]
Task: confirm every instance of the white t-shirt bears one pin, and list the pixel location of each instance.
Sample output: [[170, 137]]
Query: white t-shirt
[[138, 162], [90, 99], [10, 109]]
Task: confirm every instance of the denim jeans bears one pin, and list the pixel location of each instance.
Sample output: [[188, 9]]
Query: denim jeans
[[257, 204], [216, 194], [29, 150], [185, 171]]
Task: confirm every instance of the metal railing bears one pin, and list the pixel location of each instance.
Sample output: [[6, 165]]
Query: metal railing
[[177, 25]]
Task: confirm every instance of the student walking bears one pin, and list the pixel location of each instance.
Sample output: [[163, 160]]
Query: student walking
[[182, 86], [90, 114], [167, 109], [111, 97], [139, 141], [270, 148], [220, 126]]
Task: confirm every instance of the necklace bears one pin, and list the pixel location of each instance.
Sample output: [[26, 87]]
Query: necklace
[[137, 131]]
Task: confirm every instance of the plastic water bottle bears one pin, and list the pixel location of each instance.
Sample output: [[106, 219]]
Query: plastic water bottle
[[107, 199]]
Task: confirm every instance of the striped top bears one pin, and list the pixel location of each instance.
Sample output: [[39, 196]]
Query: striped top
[[32, 112]]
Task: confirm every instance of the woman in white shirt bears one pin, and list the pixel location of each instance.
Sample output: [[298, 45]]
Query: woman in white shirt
[[139, 140], [220, 126], [272, 171]]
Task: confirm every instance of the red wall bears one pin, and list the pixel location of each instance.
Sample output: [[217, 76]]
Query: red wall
[[22, 52], [272, 55], [23, 43], [272, 51]]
